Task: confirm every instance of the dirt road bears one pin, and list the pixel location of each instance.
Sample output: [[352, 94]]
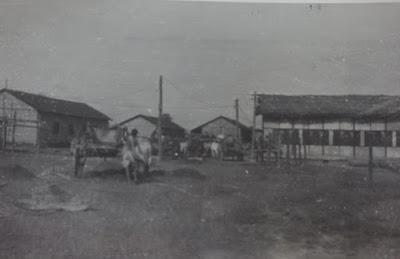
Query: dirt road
[[195, 210]]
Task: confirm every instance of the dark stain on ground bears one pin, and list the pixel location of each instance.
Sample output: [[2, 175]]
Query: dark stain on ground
[[188, 173], [109, 173], [15, 172], [157, 172], [218, 190], [249, 215], [59, 193]]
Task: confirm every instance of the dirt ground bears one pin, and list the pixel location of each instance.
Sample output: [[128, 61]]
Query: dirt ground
[[192, 209]]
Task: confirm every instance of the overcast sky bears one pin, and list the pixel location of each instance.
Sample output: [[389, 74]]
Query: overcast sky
[[110, 53]]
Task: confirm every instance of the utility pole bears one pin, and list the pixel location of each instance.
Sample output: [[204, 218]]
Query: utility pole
[[4, 119], [253, 133], [238, 137], [160, 112]]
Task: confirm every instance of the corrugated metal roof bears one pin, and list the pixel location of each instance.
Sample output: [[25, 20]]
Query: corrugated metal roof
[[328, 106], [52, 105]]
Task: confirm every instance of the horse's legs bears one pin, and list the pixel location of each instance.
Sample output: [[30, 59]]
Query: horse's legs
[[76, 162], [79, 162], [135, 172], [135, 175], [128, 173]]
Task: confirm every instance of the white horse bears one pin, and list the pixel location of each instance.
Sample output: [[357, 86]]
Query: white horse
[[216, 150], [184, 148], [136, 159]]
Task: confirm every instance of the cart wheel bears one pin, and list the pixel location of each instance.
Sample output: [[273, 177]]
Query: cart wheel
[[77, 159]]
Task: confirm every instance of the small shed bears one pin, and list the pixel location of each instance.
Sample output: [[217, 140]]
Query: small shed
[[225, 126], [147, 126]]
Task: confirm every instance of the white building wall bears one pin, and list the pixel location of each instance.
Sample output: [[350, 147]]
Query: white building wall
[[379, 125], [144, 127], [220, 126], [285, 125], [314, 151], [332, 125], [26, 129], [346, 125]]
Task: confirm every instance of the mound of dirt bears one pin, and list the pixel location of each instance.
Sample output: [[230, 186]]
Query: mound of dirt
[[6, 209], [189, 173], [52, 197], [3, 183], [55, 173], [15, 172]]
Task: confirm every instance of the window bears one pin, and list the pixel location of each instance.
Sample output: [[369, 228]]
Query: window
[[397, 138], [290, 136], [378, 138], [71, 129], [56, 128], [346, 138], [316, 137]]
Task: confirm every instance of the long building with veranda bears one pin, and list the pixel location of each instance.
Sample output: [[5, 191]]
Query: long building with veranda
[[336, 126]]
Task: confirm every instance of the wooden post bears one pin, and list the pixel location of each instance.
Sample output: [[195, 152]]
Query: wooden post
[[2, 133], [253, 137], [299, 148], [304, 143], [13, 129], [288, 149], [300, 139], [386, 133], [278, 150], [4, 124], [354, 139], [293, 144], [38, 133], [322, 138], [5, 128], [370, 166], [160, 112]]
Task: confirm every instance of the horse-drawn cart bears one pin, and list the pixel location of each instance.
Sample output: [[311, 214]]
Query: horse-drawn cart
[[104, 143], [94, 143], [232, 149]]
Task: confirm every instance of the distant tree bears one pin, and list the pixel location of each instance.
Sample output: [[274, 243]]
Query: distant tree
[[166, 117]]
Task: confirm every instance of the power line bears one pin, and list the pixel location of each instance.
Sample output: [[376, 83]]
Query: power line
[[199, 108]]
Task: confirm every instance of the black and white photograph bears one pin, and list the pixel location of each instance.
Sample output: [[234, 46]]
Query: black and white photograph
[[209, 129]]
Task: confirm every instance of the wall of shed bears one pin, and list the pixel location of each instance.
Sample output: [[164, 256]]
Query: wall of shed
[[222, 126], [64, 136], [338, 152], [144, 127], [26, 118]]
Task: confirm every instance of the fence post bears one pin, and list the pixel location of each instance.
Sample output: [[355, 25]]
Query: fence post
[[288, 153], [5, 126], [370, 166], [13, 130]]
